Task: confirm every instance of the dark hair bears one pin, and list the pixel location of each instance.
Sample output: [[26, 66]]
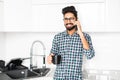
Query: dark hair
[[69, 9]]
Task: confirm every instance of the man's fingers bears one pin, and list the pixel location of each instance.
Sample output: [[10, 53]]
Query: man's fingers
[[49, 58]]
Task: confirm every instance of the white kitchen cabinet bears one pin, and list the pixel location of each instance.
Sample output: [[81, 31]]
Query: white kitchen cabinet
[[64, 1], [48, 16], [17, 15], [1, 15], [113, 15], [1, 0]]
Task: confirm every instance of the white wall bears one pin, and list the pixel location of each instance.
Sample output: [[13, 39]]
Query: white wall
[[18, 44], [107, 51], [2, 46], [106, 47]]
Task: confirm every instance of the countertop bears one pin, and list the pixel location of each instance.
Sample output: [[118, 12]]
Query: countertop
[[88, 74]]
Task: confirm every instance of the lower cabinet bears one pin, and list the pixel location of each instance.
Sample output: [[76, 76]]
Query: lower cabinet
[[41, 78]]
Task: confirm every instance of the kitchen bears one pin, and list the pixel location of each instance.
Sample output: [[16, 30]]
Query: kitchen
[[24, 21]]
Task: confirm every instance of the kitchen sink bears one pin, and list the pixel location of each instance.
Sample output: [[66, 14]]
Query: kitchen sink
[[42, 71], [26, 73], [19, 74], [15, 70]]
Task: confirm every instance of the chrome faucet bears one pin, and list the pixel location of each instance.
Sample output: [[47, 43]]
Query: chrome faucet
[[31, 54]]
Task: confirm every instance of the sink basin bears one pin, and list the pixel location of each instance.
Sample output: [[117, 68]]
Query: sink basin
[[42, 71], [20, 74], [26, 73]]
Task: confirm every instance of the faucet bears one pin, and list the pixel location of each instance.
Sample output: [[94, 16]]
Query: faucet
[[31, 54]]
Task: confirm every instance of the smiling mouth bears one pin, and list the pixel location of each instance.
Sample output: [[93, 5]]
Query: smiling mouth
[[69, 25]]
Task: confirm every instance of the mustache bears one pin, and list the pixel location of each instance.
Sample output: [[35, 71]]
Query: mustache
[[69, 23]]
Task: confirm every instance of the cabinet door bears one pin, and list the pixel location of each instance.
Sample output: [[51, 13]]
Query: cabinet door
[[64, 1], [17, 15], [91, 16], [1, 16], [48, 17], [113, 15]]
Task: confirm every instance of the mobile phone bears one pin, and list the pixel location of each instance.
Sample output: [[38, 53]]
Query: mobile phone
[[75, 26]]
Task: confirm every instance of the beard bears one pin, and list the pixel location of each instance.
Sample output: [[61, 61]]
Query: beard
[[71, 27]]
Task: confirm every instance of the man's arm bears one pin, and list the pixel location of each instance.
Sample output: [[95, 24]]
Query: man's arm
[[54, 50], [82, 37], [88, 49]]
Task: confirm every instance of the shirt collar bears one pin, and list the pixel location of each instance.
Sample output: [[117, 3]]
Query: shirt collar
[[65, 33]]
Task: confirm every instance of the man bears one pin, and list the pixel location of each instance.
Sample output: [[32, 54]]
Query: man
[[71, 44]]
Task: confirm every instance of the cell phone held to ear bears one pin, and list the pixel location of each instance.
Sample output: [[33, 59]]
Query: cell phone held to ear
[[75, 26]]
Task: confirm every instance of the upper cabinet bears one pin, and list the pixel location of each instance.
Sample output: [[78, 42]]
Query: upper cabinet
[[46, 15], [17, 15], [1, 15], [64, 1], [112, 15]]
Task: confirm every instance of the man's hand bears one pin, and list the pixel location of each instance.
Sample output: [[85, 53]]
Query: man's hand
[[79, 29], [49, 58]]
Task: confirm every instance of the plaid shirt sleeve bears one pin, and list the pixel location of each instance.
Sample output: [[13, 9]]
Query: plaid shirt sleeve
[[54, 49], [90, 52]]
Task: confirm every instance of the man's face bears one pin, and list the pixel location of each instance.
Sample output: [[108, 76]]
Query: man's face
[[69, 21]]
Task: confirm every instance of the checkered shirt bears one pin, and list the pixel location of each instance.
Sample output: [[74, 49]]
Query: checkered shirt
[[71, 50]]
